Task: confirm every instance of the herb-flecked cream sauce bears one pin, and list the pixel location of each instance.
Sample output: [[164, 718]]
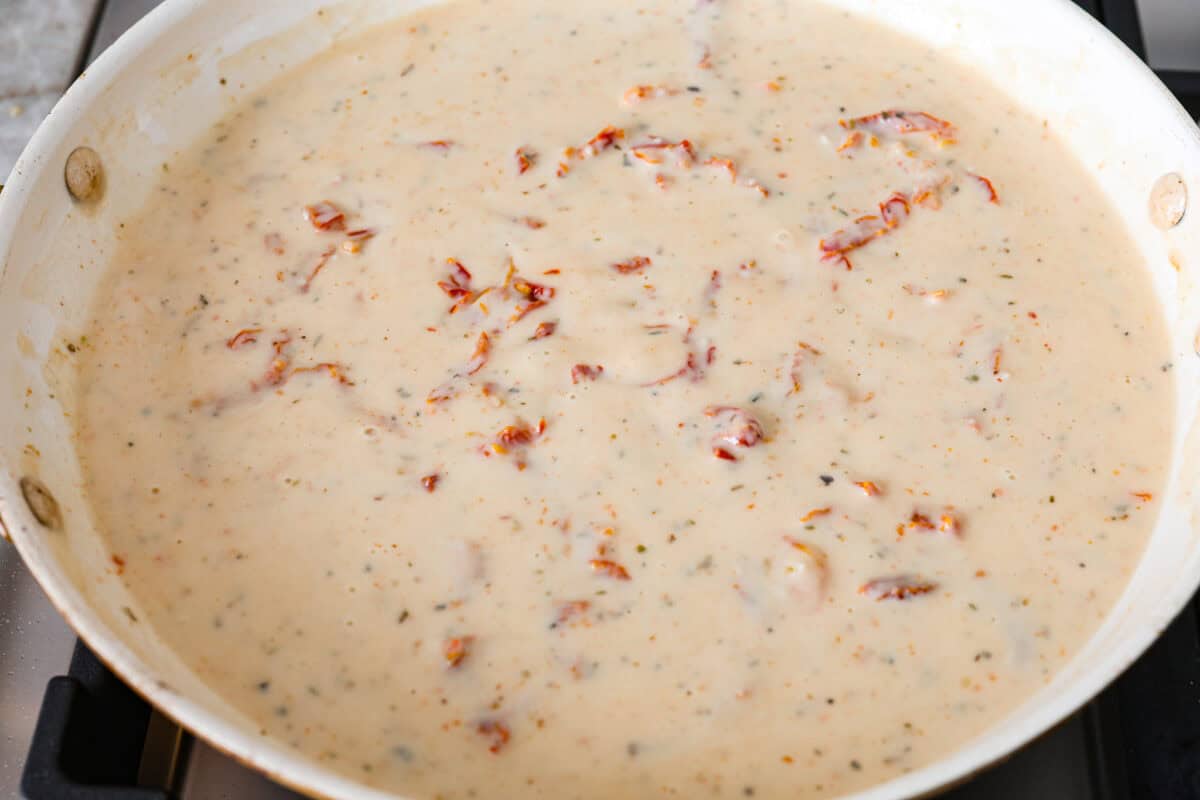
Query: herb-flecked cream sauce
[[689, 399]]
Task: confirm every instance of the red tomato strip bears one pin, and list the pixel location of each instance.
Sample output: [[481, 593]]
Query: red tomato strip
[[312, 276], [899, 587], [242, 337], [325, 216], [898, 123], [635, 264], [586, 372], [988, 187], [865, 230]]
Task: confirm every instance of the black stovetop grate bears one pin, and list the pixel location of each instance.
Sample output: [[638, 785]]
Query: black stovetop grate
[[1122, 18], [1141, 737]]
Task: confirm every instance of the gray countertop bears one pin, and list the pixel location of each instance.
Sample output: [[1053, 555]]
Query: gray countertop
[[40, 49]]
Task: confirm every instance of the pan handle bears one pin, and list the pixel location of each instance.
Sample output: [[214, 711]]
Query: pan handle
[[89, 739]]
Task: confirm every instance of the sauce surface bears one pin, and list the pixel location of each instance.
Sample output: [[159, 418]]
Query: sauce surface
[[565, 400]]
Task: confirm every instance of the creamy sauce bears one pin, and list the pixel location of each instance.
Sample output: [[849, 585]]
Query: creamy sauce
[[548, 454]]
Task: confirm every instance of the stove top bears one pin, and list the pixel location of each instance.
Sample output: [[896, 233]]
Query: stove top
[[85, 736]]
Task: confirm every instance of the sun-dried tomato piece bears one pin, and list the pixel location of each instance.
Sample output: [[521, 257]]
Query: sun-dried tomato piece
[[690, 369], [335, 371], [325, 216], [531, 290], [751, 183], [243, 337], [693, 367], [606, 138], [277, 373], [805, 572], [814, 560], [525, 160], [744, 429], [569, 610], [869, 488], [725, 164], [524, 309], [852, 140], [518, 435], [498, 731], [950, 524], [640, 153], [609, 569], [899, 587], [459, 282], [430, 481], [892, 212], [635, 264], [917, 521], [644, 92], [586, 372], [322, 260], [865, 229], [457, 285], [533, 223], [988, 187], [898, 123], [814, 513], [804, 352], [483, 346], [441, 145], [685, 152], [543, 330], [356, 238], [442, 393], [514, 435], [653, 149], [1145, 497], [738, 428], [456, 650], [933, 296], [712, 289]]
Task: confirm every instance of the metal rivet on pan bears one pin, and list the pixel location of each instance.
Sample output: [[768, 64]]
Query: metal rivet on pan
[[41, 503], [1168, 200], [84, 175]]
